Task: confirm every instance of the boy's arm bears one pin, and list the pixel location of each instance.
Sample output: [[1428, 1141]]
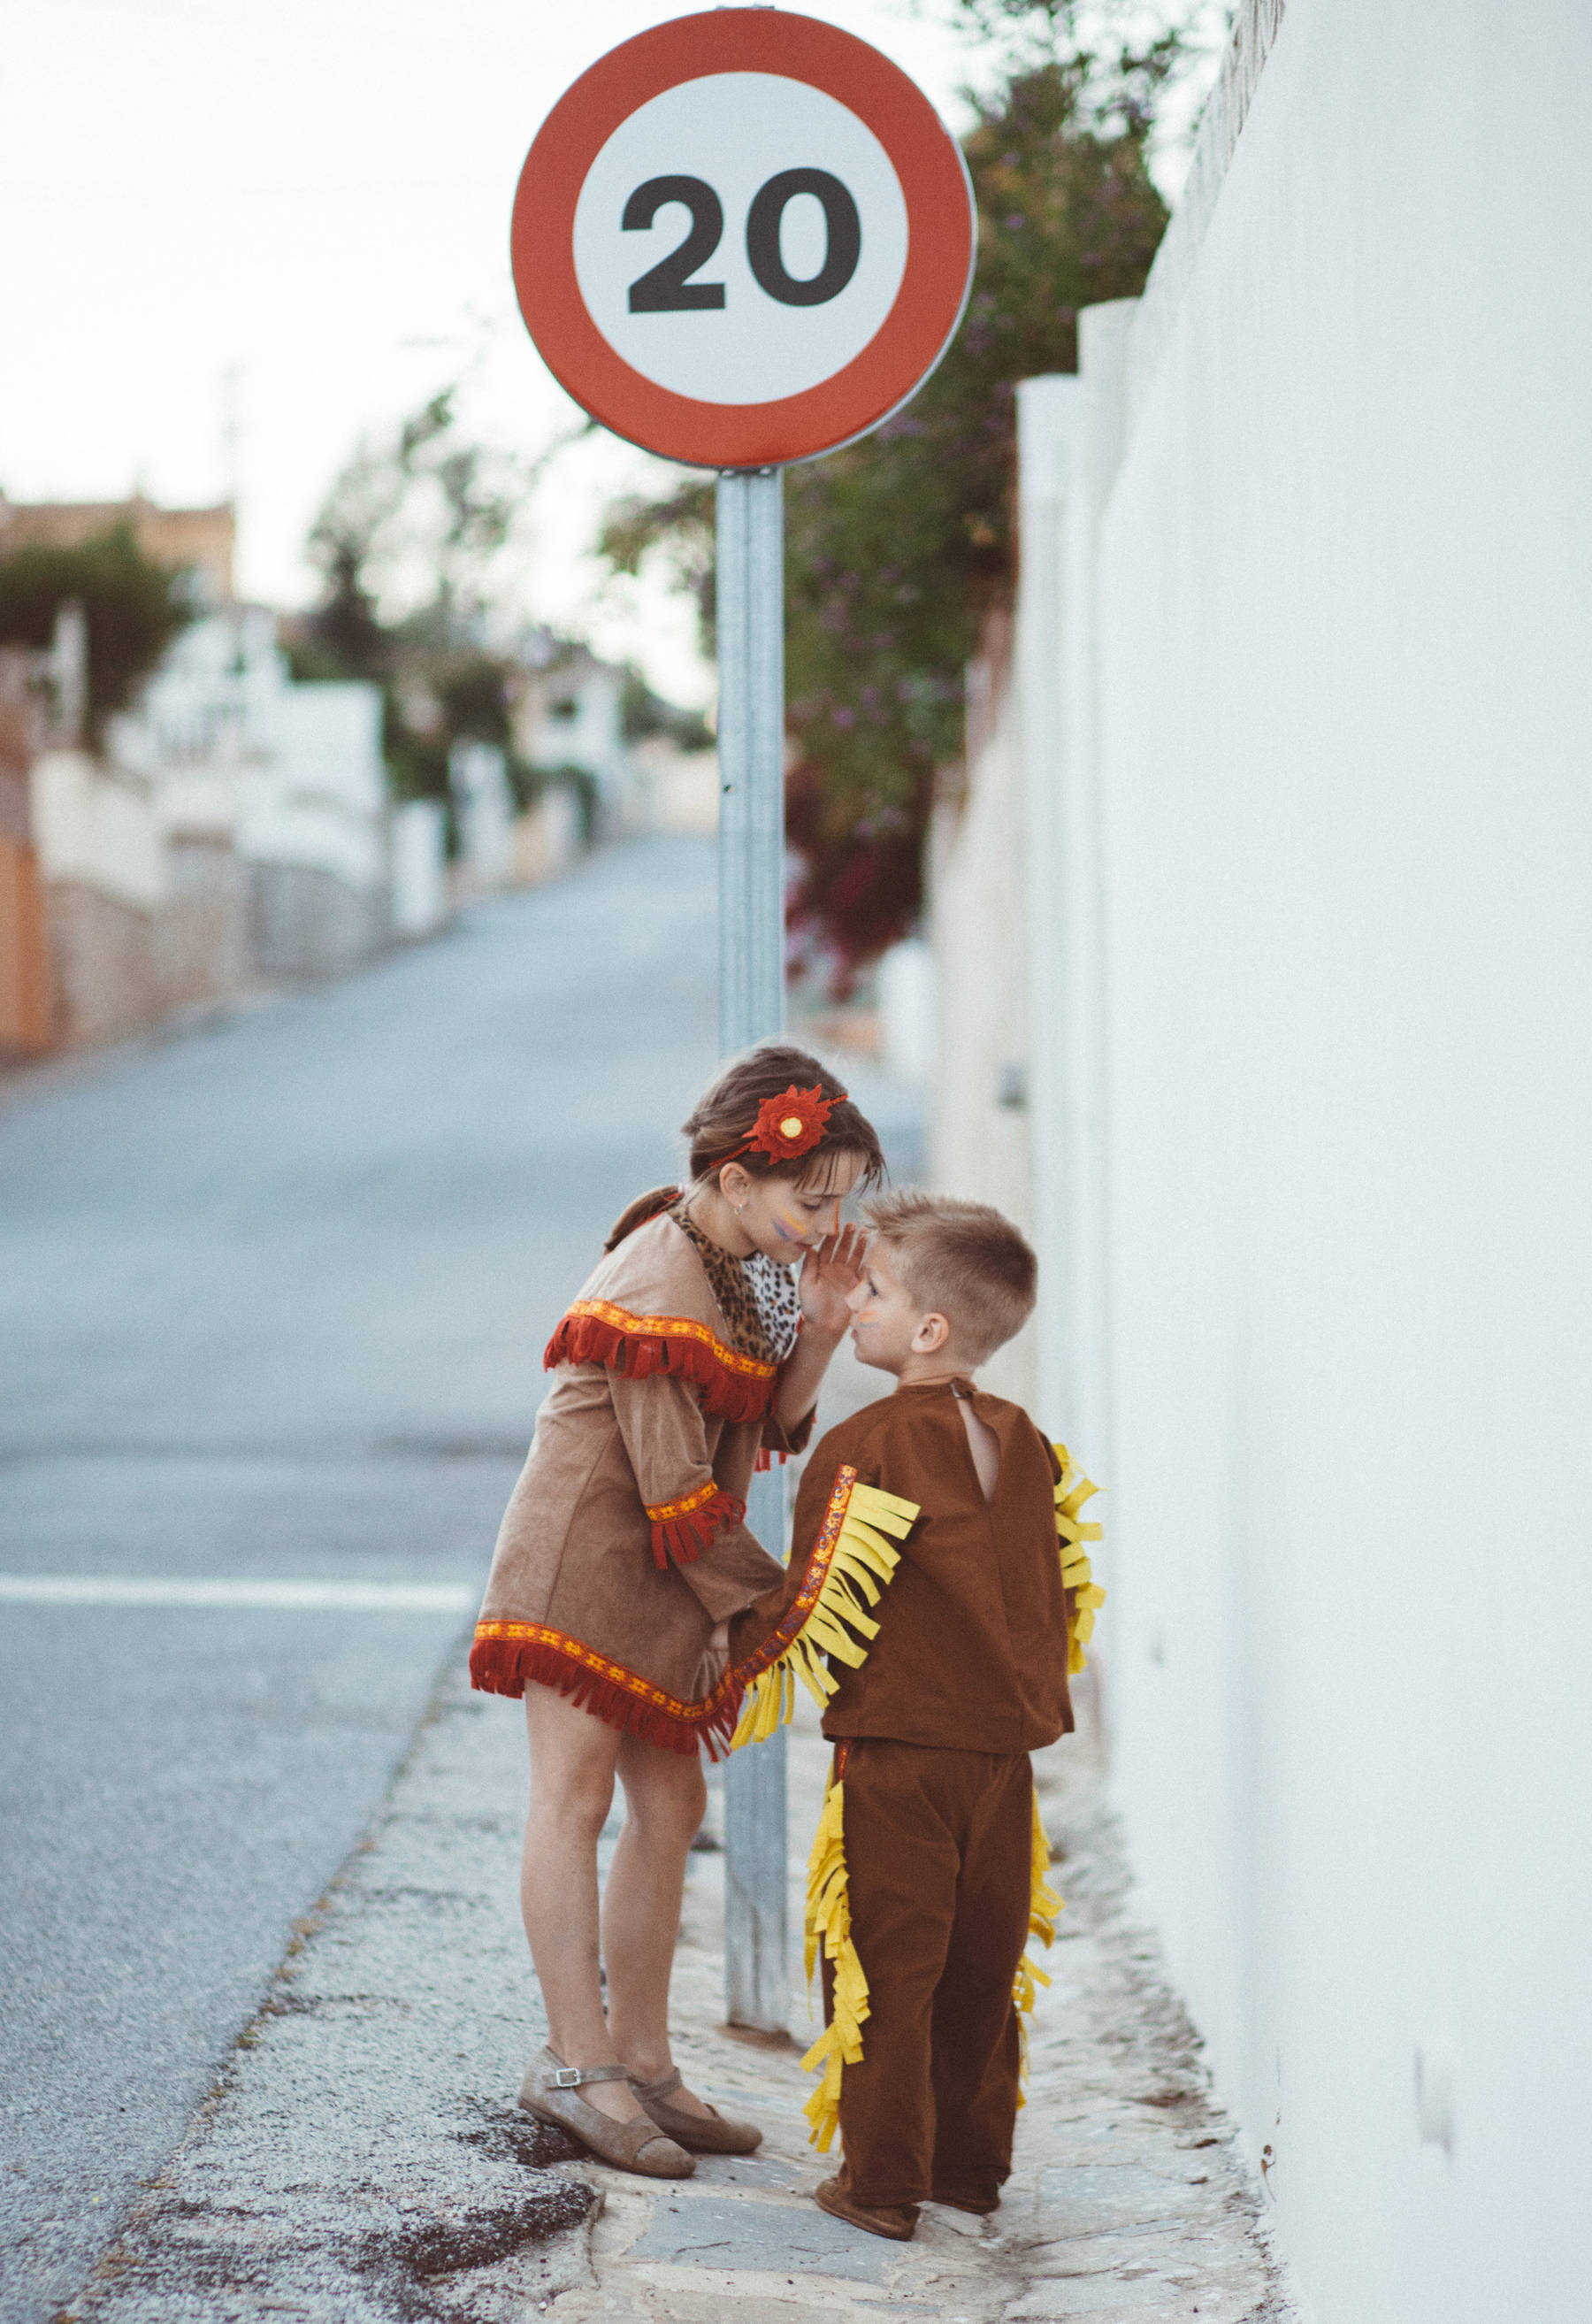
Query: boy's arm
[[764, 1615], [842, 1557]]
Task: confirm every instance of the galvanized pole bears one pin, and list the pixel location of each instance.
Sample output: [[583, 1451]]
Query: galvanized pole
[[752, 1008]]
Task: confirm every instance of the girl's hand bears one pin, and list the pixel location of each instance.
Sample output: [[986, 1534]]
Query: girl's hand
[[831, 1272]]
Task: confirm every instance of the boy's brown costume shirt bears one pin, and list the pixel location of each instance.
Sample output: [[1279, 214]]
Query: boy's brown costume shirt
[[971, 1652], [966, 1675], [624, 1543]]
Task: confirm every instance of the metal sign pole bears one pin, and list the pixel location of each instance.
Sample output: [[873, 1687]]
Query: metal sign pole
[[752, 1008]]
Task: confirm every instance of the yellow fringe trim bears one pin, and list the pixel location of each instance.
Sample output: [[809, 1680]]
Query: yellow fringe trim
[[1043, 1905], [851, 1563], [1085, 1597], [828, 1923], [1077, 1573]]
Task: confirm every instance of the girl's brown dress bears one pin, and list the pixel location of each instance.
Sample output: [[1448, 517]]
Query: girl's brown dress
[[624, 1545]]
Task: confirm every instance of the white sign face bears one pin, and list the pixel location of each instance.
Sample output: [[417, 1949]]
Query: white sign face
[[740, 238]]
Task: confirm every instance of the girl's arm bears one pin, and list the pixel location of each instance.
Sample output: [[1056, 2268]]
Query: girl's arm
[[696, 1527], [802, 1375], [831, 1272]]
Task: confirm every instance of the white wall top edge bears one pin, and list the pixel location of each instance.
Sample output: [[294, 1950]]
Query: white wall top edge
[[1254, 30]]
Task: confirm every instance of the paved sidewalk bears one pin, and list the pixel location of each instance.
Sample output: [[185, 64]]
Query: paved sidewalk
[[1128, 2199], [361, 2161]]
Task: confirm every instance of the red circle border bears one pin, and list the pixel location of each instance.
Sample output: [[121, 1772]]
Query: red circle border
[[905, 348]]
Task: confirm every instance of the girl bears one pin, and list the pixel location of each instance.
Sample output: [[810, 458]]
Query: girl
[[690, 1357]]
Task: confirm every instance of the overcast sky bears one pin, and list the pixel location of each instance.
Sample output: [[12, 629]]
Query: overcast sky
[[312, 197]]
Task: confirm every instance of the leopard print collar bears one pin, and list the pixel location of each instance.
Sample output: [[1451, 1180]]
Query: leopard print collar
[[757, 1298]]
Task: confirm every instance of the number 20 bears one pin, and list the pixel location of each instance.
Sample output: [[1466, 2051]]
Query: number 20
[[667, 288]]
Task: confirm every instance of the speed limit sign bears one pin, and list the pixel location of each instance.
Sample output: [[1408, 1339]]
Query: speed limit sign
[[743, 238]]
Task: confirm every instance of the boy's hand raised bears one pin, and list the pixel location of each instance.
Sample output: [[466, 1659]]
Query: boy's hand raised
[[831, 1272]]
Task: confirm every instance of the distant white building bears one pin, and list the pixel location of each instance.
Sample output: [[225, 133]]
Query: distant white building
[[271, 788], [483, 806], [570, 712], [234, 824]]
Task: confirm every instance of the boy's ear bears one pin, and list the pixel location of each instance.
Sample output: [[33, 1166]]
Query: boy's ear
[[932, 1335]]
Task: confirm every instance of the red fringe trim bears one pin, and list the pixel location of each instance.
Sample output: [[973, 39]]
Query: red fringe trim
[[684, 1538], [766, 1459], [587, 1340], [507, 1665]]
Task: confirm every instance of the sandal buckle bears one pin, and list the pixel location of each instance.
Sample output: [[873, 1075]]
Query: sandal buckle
[[567, 2078]]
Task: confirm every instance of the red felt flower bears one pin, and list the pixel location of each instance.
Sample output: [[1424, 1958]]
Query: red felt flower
[[792, 1124]]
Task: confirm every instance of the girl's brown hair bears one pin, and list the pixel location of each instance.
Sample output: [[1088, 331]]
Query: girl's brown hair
[[726, 1113]]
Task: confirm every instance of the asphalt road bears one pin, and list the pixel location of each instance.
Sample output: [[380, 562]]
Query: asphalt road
[[272, 1299]]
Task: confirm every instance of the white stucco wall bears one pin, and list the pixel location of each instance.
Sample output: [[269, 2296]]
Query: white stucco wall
[[979, 1145], [317, 800], [1344, 759], [420, 868], [97, 825]]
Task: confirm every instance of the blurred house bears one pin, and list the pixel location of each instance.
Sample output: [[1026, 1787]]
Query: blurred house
[[484, 814], [643, 759], [26, 1012], [233, 825], [199, 541], [678, 785], [569, 715], [271, 801]]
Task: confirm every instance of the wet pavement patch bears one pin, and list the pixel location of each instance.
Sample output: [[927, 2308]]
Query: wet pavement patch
[[775, 2238], [185, 2258], [412, 2259], [509, 2135]]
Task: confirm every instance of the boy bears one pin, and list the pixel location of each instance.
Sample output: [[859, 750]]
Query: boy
[[929, 1862]]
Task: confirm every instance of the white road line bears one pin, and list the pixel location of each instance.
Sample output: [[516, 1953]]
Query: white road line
[[130, 1590]]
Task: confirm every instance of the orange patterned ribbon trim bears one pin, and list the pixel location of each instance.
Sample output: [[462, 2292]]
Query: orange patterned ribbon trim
[[508, 1656], [734, 1387], [698, 1500], [684, 1529], [674, 1327], [797, 1615]]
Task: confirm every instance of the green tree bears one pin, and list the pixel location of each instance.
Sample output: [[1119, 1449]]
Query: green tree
[[133, 608], [900, 546], [409, 544]]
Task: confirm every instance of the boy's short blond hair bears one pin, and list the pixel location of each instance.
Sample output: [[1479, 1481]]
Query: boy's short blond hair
[[961, 1260]]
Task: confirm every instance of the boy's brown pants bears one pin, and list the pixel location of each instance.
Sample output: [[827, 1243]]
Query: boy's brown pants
[[937, 1847]]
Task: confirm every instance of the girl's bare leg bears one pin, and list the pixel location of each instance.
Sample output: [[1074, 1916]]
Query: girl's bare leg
[[665, 1797], [573, 1759]]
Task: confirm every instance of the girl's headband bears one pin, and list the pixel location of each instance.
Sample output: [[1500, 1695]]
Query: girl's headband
[[787, 1127]]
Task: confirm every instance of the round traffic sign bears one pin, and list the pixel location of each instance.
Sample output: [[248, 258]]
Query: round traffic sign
[[743, 238]]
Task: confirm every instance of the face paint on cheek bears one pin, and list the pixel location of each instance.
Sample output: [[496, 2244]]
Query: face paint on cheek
[[789, 1228]]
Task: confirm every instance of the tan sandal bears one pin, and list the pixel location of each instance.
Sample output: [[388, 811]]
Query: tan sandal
[[700, 2134], [550, 2091]]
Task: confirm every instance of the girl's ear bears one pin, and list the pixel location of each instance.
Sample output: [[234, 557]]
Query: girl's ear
[[734, 1184], [930, 1336]]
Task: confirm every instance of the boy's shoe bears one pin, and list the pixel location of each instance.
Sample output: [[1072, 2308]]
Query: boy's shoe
[[980, 2207], [896, 2220], [699, 2134]]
